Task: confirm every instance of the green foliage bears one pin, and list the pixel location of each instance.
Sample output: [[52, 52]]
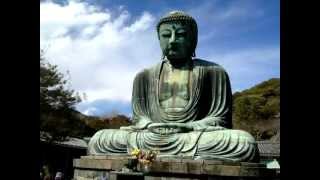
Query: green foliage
[[114, 122], [270, 87], [58, 118], [53, 94], [254, 109], [57, 104], [249, 107]]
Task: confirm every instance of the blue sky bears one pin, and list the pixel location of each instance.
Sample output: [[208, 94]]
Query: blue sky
[[104, 43]]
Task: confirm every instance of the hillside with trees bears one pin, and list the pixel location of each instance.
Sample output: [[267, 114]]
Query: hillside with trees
[[108, 122], [58, 117], [257, 110]]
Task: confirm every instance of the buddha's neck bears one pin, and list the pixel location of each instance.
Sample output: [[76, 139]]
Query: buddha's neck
[[179, 64]]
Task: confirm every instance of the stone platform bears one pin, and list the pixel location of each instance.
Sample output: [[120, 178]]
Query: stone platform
[[111, 167]]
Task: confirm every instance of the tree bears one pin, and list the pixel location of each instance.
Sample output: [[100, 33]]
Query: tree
[[53, 94], [109, 122], [254, 109], [56, 102]]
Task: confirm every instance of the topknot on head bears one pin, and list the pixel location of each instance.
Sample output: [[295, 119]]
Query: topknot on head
[[175, 16]]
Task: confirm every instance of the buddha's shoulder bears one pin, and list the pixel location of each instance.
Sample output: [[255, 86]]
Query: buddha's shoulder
[[208, 65], [146, 72]]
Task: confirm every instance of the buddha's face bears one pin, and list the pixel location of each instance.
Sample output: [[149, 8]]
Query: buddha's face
[[175, 41]]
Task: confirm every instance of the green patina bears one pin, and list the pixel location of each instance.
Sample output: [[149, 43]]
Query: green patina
[[181, 106]]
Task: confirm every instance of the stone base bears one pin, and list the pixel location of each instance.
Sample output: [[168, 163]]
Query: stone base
[[112, 167]]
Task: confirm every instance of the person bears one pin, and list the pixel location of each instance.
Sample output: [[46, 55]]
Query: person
[[59, 176], [181, 106], [41, 175], [46, 173]]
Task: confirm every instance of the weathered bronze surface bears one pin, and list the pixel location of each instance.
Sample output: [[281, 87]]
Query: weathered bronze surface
[[181, 106]]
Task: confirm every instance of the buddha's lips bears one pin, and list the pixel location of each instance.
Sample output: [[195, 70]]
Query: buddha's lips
[[171, 49], [172, 52]]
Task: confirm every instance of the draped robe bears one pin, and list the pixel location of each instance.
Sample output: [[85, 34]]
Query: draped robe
[[208, 111]]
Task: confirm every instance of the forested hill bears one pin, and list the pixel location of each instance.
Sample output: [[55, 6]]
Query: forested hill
[[257, 110]]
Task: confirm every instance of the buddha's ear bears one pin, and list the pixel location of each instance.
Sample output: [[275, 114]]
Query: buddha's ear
[[158, 33], [163, 57]]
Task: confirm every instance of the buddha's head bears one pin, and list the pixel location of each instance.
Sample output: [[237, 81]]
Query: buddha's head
[[178, 34]]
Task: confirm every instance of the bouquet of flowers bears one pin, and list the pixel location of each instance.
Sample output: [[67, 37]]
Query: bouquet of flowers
[[145, 158]]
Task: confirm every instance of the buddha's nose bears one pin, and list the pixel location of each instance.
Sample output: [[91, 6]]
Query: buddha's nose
[[172, 38]]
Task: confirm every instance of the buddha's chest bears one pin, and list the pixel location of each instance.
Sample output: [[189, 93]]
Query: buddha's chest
[[174, 92]]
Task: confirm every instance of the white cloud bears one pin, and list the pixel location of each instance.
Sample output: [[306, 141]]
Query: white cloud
[[247, 67], [90, 111], [142, 24], [56, 20], [103, 54], [104, 50]]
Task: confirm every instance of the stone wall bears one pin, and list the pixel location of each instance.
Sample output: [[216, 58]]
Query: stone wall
[[111, 167]]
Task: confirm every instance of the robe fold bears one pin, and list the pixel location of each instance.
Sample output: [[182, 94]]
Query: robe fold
[[210, 102], [209, 107]]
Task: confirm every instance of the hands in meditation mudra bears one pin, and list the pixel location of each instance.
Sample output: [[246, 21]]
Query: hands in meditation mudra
[[181, 106]]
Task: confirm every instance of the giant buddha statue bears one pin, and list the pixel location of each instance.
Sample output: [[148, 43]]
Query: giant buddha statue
[[182, 106]]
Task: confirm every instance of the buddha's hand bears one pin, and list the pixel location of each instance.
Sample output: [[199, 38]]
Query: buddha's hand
[[214, 128], [141, 124], [133, 128], [169, 128], [207, 124]]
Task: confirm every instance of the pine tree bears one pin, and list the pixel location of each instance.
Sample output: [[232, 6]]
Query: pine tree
[[56, 102]]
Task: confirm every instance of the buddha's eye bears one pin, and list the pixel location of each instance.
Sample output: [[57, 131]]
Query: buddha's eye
[[181, 34], [166, 35]]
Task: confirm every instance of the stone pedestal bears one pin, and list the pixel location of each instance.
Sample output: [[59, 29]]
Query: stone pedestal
[[111, 167]]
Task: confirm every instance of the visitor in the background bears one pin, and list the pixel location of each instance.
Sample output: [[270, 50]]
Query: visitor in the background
[[46, 173], [59, 176]]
